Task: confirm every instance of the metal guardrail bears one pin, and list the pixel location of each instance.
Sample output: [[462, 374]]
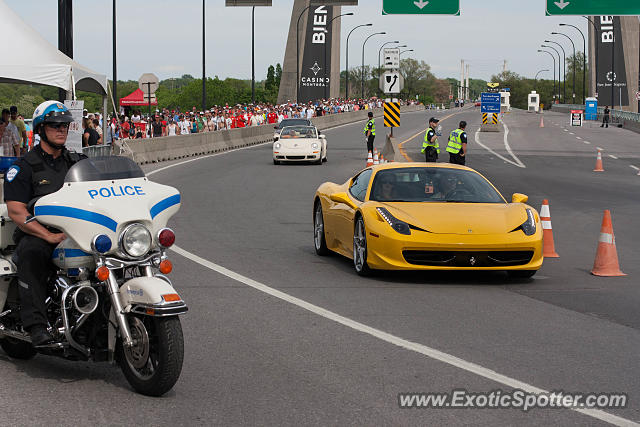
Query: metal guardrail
[[97, 150], [616, 115]]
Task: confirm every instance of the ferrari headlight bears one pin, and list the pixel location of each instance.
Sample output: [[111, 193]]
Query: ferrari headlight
[[400, 226], [314, 146], [529, 226], [135, 240], [277, 146]]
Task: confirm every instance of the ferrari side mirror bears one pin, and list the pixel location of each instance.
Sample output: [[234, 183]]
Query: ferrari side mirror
[[519, 198]]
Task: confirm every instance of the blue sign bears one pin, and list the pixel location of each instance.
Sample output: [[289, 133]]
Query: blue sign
[[490, 102]]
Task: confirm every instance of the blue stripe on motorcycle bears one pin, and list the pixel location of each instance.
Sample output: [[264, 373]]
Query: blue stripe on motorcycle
[[70, 253], [164, 204], [66, 211]]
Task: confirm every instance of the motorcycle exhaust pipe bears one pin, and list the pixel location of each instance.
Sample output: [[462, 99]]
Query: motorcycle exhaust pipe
[[85, 299]]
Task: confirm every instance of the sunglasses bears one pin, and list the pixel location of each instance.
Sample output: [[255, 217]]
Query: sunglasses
[[57, 126]]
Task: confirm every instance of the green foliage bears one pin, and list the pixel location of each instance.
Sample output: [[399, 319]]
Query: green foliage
[[521, 87]]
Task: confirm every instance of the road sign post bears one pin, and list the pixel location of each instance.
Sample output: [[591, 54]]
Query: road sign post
[[592, 7], [490, 108], [148, 84], [421, 7]]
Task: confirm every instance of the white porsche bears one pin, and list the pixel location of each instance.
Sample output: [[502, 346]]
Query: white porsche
[[300, 144]]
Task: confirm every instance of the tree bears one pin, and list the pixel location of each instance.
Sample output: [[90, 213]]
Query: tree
[[271, 78], [278, 74]]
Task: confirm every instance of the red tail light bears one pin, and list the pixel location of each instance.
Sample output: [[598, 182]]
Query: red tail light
[[166, 237]]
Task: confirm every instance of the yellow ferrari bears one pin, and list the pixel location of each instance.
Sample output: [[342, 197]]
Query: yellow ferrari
[[426, 216]]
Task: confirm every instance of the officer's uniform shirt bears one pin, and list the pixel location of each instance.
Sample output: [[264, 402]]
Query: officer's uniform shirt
[[463, 138], [18, 183], [370, 125], [430, 134]]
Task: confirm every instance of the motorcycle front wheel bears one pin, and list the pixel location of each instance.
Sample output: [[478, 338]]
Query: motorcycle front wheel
[[153, 365]]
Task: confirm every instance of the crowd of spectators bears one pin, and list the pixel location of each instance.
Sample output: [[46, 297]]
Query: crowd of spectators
[[167, 122], [13, 133]]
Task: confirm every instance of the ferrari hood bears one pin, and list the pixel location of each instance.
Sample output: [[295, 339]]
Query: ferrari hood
[[460, 218]]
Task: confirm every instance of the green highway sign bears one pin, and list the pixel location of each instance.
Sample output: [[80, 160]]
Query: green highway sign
[[421, 7], [593, 7]]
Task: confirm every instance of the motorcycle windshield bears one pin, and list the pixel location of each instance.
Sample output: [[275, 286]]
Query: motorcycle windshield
[[103, 169]]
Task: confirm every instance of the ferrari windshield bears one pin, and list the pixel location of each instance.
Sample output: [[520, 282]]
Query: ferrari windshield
[[298, 132], [103, 168], [432, 185]]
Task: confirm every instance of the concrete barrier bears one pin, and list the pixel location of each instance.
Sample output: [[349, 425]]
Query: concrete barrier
[[180, 146]]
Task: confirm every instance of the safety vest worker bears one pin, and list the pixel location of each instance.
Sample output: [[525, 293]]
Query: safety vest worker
[[457, 145], [370, 132], [430, 146]]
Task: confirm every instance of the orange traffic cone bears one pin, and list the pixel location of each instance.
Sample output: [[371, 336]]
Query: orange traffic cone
[[369, 159], [376, 161], [382, 159], [606, 263], [599, 167], [541, 121], [548, 247]]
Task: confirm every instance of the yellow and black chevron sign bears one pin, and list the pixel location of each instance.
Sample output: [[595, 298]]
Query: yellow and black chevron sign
[[484, 118], [494, 118], [391, 114], [487, 116]]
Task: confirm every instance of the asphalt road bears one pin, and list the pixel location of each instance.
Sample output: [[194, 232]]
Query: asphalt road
[[278, 336]]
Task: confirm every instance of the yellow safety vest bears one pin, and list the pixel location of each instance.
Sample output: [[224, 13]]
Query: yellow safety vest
[[455, 142], [427, 143], [373, 127]]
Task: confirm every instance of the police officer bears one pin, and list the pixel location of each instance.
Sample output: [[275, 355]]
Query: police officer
[[430, 146], [40, 172], [370, 131], [457, 146]]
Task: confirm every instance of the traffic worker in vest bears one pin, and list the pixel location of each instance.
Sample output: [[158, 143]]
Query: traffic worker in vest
[[40, 172], [370, 131], [457, 146], [430, 146]]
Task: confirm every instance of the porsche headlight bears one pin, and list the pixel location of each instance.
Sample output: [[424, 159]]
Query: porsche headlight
[[277, 146], [314, 146], [135, 240], [400, 226], [529, 226]]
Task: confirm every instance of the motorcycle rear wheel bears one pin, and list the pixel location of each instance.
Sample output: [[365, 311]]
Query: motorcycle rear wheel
[[17, 349], [153, 365]]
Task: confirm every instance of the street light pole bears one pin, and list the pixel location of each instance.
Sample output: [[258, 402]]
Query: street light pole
[[574, 63], [408, 50], [554, 69], [362, 70], [597, 38], [584, 59], [115, 68], [556, 51], [253, 55], [326, 87], [347, 52], [564, 78], [204, 87], [535, 84]]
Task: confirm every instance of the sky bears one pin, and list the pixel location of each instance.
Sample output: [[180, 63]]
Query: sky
[[164, 37]]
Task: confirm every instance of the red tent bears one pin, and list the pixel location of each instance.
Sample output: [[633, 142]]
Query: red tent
[[137, 98]]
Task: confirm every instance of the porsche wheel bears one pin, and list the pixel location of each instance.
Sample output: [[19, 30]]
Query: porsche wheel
[[275, 162], [318, 231], [360, 248]]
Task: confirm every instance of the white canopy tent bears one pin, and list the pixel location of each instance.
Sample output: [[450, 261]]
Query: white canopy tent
[[38, 61]]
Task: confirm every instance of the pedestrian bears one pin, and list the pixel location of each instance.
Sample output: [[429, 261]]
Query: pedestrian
[[605, 118], [156, 127], [172, 128], [457, 146], [90, 136], [22, 129], [9, 137], [430, 146], [370, 131]]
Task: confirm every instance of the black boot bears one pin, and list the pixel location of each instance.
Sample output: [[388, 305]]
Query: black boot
[[40, 335]]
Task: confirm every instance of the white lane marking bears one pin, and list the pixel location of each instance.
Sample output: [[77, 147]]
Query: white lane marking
[[577, 137], [508, 147], [571, 133], [493, 152], [612, 156], [586, 142], [392, 339], [634, 167], [565, 130], [600, 148]]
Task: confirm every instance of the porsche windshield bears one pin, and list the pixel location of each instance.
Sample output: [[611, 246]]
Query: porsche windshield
[[103, 168], [298, 132], [432, 185]]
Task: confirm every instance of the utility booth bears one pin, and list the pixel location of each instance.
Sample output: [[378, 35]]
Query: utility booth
[[591, 109], [505, 105], [534, 102]]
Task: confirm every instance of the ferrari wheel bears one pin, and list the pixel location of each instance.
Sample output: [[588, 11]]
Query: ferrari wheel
[[318, 231], [360, 248], [521, 274]]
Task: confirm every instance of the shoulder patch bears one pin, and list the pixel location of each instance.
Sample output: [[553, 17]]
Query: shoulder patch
[[11, 173]]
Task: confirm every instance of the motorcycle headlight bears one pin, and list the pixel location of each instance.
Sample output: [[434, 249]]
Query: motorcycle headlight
[[135, 240], [400, 226], [277, 146], [314, 146], [529, 226]]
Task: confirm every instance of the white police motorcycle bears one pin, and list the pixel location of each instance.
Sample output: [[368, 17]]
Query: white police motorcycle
[[110, 299]]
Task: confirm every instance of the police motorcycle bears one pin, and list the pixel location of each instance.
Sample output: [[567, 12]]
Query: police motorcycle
[[110, 299]]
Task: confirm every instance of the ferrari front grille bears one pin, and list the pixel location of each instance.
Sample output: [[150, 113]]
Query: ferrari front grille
[[468, 258]]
